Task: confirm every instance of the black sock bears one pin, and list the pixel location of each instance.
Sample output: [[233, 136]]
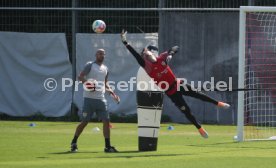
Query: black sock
[[75, 139], [107, 142]]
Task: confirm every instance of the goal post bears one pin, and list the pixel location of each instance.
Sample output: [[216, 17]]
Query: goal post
[[257, 74]]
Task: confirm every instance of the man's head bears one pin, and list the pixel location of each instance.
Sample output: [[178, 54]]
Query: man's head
[[148, 54], [100, 54]]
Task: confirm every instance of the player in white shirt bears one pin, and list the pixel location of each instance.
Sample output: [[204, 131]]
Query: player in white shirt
[[94, 77]]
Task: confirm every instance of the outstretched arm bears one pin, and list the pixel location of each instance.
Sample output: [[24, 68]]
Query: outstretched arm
[[137, 56], [167, 56], [173, 50]]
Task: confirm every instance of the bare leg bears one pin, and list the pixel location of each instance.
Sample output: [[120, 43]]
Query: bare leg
[[80, 128], [106, 133], [78, 131], [106, 129]]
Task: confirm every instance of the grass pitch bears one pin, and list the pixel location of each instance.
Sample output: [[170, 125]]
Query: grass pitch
[[47, 145]]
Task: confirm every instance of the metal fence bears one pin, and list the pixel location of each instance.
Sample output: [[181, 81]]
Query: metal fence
[[38, 19], [73, 16]]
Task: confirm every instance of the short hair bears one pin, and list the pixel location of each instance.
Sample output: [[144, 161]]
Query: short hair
[[149, 47], [100, 49]]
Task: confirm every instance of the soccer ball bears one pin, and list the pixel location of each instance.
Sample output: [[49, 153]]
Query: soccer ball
[[98, 26]]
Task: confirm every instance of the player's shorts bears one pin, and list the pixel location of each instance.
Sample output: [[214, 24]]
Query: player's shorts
[[91, 106]]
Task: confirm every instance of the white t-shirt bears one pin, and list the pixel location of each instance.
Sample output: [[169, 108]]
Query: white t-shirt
[[95, 72]]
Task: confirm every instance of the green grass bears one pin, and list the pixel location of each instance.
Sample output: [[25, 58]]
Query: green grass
[[47, 145]]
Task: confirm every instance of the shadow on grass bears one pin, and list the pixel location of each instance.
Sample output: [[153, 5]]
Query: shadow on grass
[[213, 144], [140, 156], [134, 151], [240, 145], [42, 157], [69, 152]]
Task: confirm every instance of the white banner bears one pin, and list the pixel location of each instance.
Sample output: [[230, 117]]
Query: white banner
[[26, 61]]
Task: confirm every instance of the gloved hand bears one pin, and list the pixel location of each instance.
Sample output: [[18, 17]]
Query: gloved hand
[[168, 59], [173, 50], [123, 36]]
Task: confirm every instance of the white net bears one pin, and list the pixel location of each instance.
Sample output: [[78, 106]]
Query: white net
[[260, 76]]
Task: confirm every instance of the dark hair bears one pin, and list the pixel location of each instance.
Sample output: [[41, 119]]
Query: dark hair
[[150, 47]]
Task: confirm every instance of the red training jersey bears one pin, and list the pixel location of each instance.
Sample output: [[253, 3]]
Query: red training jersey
[[161, 73]]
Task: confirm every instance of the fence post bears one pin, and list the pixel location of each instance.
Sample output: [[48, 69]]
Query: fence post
[[74, 114]]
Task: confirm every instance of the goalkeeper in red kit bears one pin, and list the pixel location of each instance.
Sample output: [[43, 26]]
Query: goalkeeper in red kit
[[157, 68]]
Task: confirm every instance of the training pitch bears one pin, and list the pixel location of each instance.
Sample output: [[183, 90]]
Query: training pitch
[[47, 144]]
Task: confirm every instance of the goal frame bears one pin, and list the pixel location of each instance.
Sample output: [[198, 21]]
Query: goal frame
[[242, 35]]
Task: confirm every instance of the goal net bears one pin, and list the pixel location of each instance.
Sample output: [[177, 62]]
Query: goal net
[[257, 74]]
